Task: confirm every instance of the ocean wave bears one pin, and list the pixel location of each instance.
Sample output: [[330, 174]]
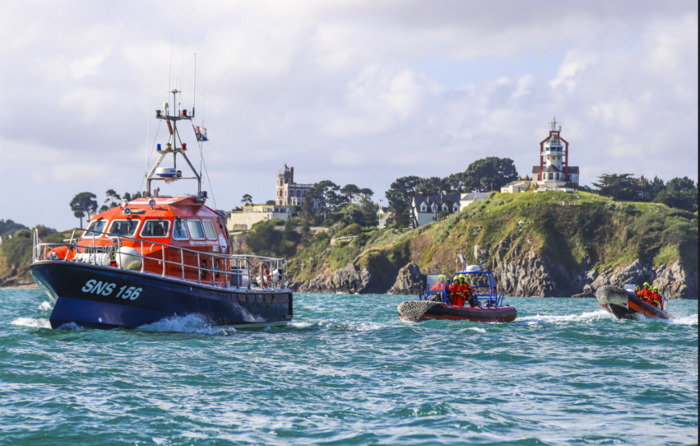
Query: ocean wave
[[31, 322]]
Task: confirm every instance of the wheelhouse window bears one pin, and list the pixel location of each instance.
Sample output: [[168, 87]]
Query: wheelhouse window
[[209, 229], [155, 228], [123, 227], [196, 230], [179, 230], [96, 228]]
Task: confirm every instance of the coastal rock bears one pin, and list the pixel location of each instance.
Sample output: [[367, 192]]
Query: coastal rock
[[675, 281], [533, 275], [409, 280], [346, 280], [537, 275]]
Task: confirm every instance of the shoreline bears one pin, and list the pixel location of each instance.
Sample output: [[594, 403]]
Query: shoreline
[[20, 286]]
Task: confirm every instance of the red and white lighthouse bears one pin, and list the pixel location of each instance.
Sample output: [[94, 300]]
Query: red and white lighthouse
[[554, 171]]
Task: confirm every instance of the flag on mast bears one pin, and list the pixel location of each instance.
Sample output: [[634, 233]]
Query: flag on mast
[[201, 133]]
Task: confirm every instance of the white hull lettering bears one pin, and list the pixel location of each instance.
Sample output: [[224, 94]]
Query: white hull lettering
[[93, 286]]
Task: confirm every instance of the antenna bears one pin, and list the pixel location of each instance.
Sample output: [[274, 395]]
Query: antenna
[[170, 72], [148, 135], [123, 171], [194, 86]]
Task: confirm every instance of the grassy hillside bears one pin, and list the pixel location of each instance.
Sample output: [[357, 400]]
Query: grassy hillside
[[578, 230]]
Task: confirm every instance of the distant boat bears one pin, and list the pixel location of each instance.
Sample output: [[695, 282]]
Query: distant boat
[[159, 257], [435, 304], [624, 303]]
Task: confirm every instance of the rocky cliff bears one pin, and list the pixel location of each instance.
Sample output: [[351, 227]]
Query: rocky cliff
[[545, 245]]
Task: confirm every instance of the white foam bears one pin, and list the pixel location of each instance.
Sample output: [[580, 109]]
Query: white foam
[[191, 323], [31, 322], [72, 326], [690, 320], [566, 318], [45, 305]]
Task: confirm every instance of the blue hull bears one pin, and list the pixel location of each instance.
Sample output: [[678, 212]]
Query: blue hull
[[107, 297]]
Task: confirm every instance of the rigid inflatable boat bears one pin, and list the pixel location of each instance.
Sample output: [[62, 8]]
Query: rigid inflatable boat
[[436, 303], [624, 303]]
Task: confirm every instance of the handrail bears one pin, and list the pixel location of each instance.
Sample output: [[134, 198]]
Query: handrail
[[236, 267]]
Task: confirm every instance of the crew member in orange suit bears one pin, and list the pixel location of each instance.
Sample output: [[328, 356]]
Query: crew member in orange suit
[[656, 297], [645, 293], [469, 295], [440, 284], [456, 292]]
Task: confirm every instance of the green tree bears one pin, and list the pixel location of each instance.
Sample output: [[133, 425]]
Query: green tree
[[129, 197], [618, 186], [432, 186], [83, 205], [456, 183], [18, 249], [247, 199], [489, 174], [328, 198], [649, 190], [349, 191], [400, 197], [363, 213], [680, 193], [10, 226], [263, 238], [111, 201]]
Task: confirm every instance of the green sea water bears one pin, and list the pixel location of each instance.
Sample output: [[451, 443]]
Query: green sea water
[[348, 371]]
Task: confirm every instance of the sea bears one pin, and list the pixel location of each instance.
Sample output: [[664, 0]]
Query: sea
[[348, 371]]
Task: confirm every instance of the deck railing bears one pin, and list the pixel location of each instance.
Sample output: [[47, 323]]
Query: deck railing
[[220, 270]]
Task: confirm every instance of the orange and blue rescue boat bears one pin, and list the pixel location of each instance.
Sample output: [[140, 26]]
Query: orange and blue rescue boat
[[159, 257]]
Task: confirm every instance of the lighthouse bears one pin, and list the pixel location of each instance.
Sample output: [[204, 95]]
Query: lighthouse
[[554, 171]]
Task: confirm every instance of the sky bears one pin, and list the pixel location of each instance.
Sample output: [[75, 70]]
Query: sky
[[355, 92]]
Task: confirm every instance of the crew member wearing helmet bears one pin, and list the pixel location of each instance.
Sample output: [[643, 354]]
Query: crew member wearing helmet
[[469, 295], [457, 290], [440, 284], [656, 297], [645, 293]]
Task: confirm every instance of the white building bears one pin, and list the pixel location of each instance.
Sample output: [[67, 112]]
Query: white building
[[554, 171], [516, 186], [467, 199], [243, 220], [427, 209]]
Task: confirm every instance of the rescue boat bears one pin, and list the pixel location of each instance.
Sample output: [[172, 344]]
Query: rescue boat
[[158, 257], [623, 303], [435, 303]]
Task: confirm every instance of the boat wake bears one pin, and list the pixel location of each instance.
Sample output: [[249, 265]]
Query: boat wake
[[589, 316], [689, 320], [334, 325]]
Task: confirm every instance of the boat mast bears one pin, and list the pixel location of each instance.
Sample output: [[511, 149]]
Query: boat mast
[[174, 146]]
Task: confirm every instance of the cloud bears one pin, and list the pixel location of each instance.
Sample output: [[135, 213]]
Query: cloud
[[354, 91]]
